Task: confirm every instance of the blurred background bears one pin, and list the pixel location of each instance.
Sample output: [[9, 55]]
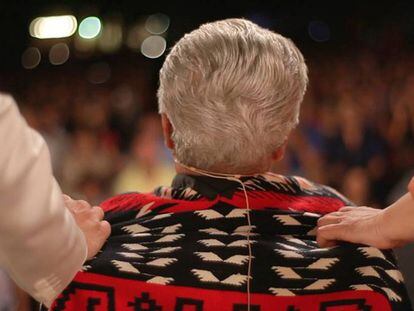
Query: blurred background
[[85, 74]]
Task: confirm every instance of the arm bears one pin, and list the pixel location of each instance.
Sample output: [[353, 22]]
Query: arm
[[40, 245], [388, 228]]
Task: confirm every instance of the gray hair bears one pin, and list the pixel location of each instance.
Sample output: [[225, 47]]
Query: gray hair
[[232, 91]]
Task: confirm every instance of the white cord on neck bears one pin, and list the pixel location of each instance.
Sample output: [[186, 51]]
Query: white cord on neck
[[237, 179]]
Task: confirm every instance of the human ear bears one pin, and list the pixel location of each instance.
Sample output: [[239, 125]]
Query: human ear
[[167, 130]]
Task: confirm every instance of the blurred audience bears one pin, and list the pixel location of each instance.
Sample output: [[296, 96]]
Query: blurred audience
[[356, 132]]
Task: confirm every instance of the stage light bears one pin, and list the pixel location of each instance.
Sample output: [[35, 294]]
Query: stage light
[[31, 58], [157, 23], [90, 27], [153, 46], [59, 54], [53, 27]]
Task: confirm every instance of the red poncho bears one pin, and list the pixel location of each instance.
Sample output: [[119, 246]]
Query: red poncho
[[186, 248]]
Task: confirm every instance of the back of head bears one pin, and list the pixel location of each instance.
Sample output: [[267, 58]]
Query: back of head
[[232, 91]]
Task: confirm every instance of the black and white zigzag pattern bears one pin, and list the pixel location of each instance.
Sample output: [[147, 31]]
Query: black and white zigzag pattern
[[209, 249]]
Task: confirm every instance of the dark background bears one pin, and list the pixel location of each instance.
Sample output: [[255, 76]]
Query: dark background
[[357, 122]]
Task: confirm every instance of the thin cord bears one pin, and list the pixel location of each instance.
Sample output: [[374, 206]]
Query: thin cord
[[237, 179]]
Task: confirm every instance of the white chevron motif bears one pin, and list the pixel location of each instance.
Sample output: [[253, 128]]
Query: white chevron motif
[[161, 216], [130, 255], [237, 213], [391, 294], [172, 228], [281, 291], [160, 280], [289, 254], [361, 287], [320, 284], [213, 231], [212, 243], [289, 247], [323, 263], [244, 231], [212, 257], [240, 243], [170, 238], [134, 229], [125, 266], [368, 271], [286, 273], [291, 239], [217, 243], [371, 252], [144, 210], [235, 279], [396, 275], [206, 276], [209, 214], [134, 246], [287, 220], [165, 250], [162, 262]]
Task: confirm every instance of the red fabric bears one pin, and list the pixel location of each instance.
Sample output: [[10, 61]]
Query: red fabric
[[126, 291], [260, 200]]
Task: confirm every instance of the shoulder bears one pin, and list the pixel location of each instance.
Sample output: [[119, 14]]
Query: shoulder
[[133, 201], [124, 201], [308, 186], [300, 186]]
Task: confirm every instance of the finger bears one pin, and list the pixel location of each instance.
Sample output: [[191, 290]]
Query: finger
[[105, 228], [328, 220], [346, 209], [98, 212], [336, 214], [323, 242], [79, 206], [332, 232], [66, 198]]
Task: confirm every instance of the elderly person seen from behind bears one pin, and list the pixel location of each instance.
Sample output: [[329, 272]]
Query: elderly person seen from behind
[[228, 234]]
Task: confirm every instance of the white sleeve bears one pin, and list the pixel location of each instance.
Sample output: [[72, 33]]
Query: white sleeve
[[41, 246]]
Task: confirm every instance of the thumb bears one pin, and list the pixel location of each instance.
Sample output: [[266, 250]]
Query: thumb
[[105, 229], [99, 238]]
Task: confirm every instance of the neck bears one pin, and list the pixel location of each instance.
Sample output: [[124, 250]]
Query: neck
[[183, 169]]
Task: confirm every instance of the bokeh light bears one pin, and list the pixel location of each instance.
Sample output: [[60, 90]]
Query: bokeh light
[[110, 39], [53, 27], [31, 58], [136, 34], [90, 27], [59, 54], [319, 31], [99, 73], [85, 47], [157, 24], [153, 46]]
